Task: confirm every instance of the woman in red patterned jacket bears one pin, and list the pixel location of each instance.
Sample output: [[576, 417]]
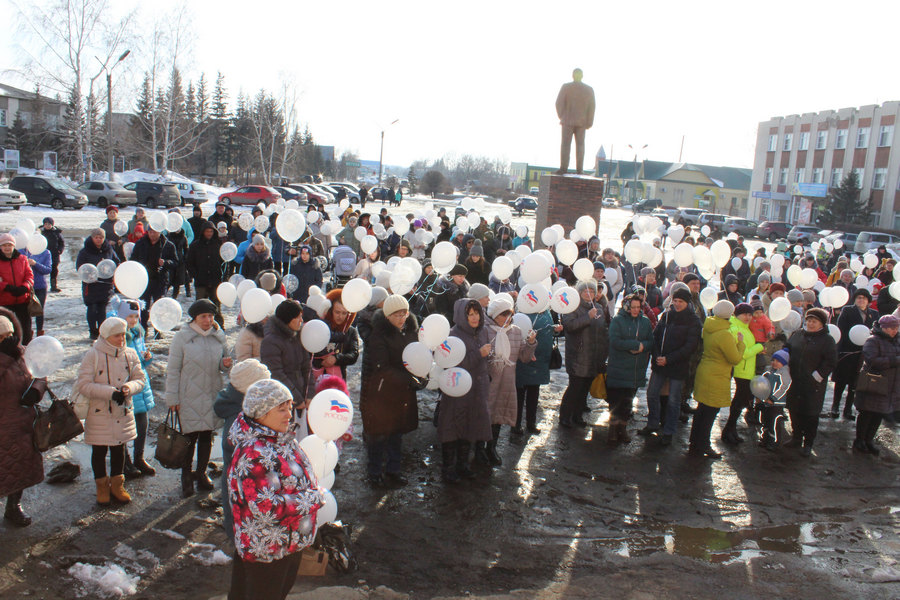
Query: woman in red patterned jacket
[[274, 495]]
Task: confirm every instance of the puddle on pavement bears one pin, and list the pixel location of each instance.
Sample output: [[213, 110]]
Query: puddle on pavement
[[717, 546]]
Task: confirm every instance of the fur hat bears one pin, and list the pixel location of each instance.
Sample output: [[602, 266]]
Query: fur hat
[[743, 309], [864, 293], [379, 295], [264, 395], [498, 306], [288, 310], [112, 326], [331, 382], [723, 309], [393, 303], [889, 321], [478, 291], [6, 326], [819, 314], [782, 356], [682, 294], [202, 306], [458, 270], [777, 287], [246, 373], [258, 239], [689, 277]]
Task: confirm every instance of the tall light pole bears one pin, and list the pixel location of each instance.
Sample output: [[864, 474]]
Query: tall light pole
[[634, 188], [381, 153], [109, 116]]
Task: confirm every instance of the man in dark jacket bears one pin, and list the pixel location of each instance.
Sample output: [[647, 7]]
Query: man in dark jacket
[[157, 254], [742, 272], [179, 274], [283, 353], [205, 265], [587, 348], [196, 221], [220, 216], [732, 291], [56, 245], [674, 340], [449, 289], [96, 295]]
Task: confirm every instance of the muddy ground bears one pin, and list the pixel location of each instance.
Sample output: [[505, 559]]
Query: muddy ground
[[564, 516]]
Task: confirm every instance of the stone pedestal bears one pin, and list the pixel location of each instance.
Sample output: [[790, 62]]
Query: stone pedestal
[[564, 198]]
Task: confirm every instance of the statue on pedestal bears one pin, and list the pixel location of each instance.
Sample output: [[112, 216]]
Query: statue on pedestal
[[575, 107]]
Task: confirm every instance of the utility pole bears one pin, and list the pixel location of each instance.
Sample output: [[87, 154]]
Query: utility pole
[[381, 153], [109, 117]]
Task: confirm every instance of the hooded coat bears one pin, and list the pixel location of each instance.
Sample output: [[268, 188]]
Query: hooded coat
[[467, 417], [21, 465], [734, 297], [194, 376], [149, 254], [721, 351], [627, 333], [15, 271], [288, 361], [254, 262], [446, 296], [502, 399], [387, 398], [882, 356], [675, 338], [248, 342], [203, 260], [746, 369], [104, 369], [810, 352], [849, 354], [102, 289], [587, 341], [307, 274], [134, 339]]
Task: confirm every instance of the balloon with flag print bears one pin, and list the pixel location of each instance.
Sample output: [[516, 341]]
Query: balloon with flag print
[[417, 359], [434, 330], [455, 382], [330, 414], [450, 352], [564, 300], [533, 298]]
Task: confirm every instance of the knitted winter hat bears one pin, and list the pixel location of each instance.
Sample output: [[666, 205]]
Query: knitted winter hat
[[818, 314], [723, 309], [689, 278], [646, 271], [6, 326], [267, 281], [288, 310], [477, 250], [127, 308], [782, 356], [809, 296], [393, 303], [201, 307], [682, 295], [112, 208], [379, 295], [258, 239], [888, 321], [7, 238], [794, 296], [777, 287], [743, 309], [246, 373], [756, 303], [498, 306], [458, 270], [478, 291], [95, 231], [264, 395], [764, 277], [112, 326]]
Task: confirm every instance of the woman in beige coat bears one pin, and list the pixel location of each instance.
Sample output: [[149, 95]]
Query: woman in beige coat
[[109, 375], [508, 345]]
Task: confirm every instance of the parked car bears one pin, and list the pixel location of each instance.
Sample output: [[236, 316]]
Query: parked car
[[523, 203], [104, 193], [666, 213], [48, 190], [534, 190], [609, 203], [378, 193], [803, 234], [646, 205], [713, 220], [329, 193], [191, 193], [313, 196], [744, 227], [249, 195], [291, 194], [773, 230], [155, 194], [12, 199], [352, 190], [847, 239], [870, 240], [690, 215]]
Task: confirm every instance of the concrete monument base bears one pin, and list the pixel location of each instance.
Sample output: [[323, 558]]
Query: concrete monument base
[[564, 198]]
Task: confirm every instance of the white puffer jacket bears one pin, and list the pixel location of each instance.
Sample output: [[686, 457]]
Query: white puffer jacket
[[194, 377], [105, 369]]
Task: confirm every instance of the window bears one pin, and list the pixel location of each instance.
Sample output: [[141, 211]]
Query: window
[[804, 140], [885, 135], [26, 118], [788, 139], [840, 141], [773, 141], [3, 118], [818, 175], [862, 137], [878, 179], [768, 180], [836, 176], [860, 176], [821, 139], [52, 122], [798, 176], [782, 177]]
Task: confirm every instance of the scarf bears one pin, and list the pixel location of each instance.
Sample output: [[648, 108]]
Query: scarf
[[502, 347], [209, 331]]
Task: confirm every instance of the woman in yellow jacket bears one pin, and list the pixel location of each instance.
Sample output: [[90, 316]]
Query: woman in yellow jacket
[[712, 385], [744, 371]]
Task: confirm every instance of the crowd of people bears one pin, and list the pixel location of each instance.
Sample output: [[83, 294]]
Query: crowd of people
[[636, 325]]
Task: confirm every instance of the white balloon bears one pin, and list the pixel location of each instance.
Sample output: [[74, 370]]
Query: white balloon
[[434, 330], [708, 298], [794, 275], [450, 352], [434, 377], [684, 255], [455, 382], [721, 253], [735, 263], [106, 268], [522, 231], [245, 221], [534, 268], [870, 260], [402, 280], [522, 321], [612, 276], [276, 299], [26, 225], [585, 226], [533, 298], [356, 294], [315, 335], [236, 279], [859, 334], [120, 228], [779, 309], [228, 251], [131, 279], [835, 332], [862, 281], [326, 483], [174, 221], [158, 221], [261, 223], [634, 251], [227, 294], [502, 268], [290, 225], [838, 244], [798, 249], [44, 355], [245, 286], [549, 236], [567, 252], [474, 219], [127, 249], [705, 230], [791, 322], [331, 458], [256, 305], [808, 278], [839, 296], [165, 314], [777, 261], [856, 265], [675, 234], [291, 283], [505, 215], [825, 297], [443, 255], [21, 237], [368, 244], [563, 301], [417, 359], [36, 244], [894, 290], [583, 269], [315, 449], [401, 226], [515, 257]]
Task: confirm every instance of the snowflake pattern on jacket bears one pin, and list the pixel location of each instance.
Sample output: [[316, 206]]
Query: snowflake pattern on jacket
[[273, 491]]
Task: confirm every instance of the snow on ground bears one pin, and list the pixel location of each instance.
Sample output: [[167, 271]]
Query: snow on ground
[[105, 581]]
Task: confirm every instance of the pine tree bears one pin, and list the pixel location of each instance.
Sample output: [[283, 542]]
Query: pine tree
[[69, 150], [16, 139], [412, 179], [844, 204]]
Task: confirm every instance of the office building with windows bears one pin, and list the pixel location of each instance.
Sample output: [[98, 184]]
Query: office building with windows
[[800, 158]]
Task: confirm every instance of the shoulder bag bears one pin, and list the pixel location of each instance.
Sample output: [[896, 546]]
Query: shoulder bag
[[871, 383], [172, 446], [556, 360], [56, 425]]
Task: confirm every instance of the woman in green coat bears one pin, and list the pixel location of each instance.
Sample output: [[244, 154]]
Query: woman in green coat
[[744, 371], [712, 386], [630, 342]]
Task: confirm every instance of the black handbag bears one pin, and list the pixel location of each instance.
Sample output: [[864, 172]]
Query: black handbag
[[556, 361], [56, 425], [872, 383], [172, 446]]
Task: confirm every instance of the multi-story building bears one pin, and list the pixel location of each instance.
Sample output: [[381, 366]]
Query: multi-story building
[[799, 158], [14, 101]]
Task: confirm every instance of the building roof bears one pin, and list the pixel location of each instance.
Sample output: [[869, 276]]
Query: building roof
[[733, 178], [9, 91]]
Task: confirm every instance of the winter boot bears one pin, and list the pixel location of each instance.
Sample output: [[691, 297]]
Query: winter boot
[[143, 467], [187, 482], [493, 457], [624, 438], [14, 513], [131, 471], [462, 459], [117, 489], [448, 467], [40, 332], [102, 491], [613, 437], [481, 455], [860, 446], [203, 481]]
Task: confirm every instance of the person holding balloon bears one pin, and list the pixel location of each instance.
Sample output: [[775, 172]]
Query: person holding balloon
[[142, 402], [97, 292], [882, 357], [158, 256], [306, 269], [283, 352], [273, 493], [850, 350], [41, 265], [204, 264], [744, 371], [343, 345], [587, 348], [778, 379], [55, 244]]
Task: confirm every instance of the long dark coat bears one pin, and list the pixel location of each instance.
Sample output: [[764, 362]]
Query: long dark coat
[[203, 260], [283, 353], [102, 289], [849, 354], [676, 338], [882, 356], [810, 352], [20, 464], [387, 398], [467, 417], [587, 341]]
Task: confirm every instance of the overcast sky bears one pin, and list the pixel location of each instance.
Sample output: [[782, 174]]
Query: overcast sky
[[481, 77]]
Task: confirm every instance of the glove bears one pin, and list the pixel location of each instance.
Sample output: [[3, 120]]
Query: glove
[[16, 290], [119, 397], [817, 377]]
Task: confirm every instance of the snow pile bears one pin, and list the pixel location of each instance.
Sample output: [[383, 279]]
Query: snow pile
[[169, 533], [105, 581], [208, 555]]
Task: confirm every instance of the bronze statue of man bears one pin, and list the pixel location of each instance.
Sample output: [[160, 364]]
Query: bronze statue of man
[[575, 107]]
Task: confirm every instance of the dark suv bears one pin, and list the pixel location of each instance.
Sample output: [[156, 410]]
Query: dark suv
[[155, 194], [47, 190], [773, 230], [646, 205]]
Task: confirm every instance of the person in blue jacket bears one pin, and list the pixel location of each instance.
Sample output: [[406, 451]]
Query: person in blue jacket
[[41, 266], [130, 310], [531, 375]]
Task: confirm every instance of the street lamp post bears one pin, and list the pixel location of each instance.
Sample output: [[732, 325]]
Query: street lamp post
[[381, 153], [109, 116], [634, 187]]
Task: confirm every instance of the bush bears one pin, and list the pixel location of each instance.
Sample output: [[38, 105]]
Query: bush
[[434, 182]]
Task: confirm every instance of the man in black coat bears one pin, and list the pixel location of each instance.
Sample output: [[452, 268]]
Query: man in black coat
[[196, 221], [220, 216], [449, 289], [96, 295], [56, 245], [157, 254], [205, 265], [674, 340]]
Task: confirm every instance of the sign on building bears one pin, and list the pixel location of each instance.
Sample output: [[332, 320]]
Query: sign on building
[[810, 190]]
